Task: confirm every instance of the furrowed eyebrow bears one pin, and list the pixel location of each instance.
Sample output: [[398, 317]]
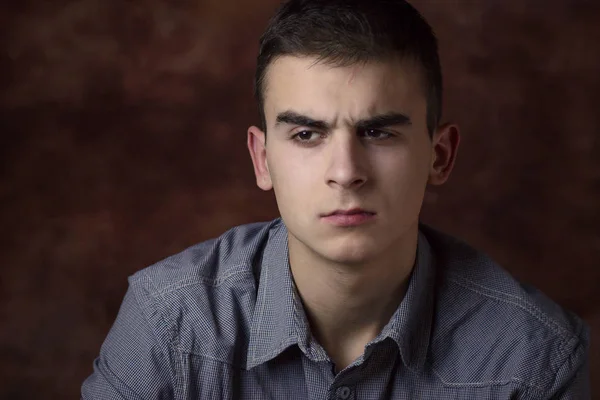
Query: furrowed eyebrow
[[383, 121], [376, 122], [293, 118]]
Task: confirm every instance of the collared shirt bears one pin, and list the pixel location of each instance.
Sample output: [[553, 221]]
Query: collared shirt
[[222, 320]]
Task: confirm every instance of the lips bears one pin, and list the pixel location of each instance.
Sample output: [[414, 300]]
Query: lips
[[349, 218], [352, 211]]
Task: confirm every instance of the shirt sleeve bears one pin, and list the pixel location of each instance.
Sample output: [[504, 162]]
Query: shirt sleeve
[[135, 362], [577, 388], [572, 380]]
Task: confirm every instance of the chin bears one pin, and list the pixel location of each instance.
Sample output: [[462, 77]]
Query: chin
[[348, 250], [353, 246]]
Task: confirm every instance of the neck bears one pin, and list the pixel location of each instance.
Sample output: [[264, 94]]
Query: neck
[[348, 305]]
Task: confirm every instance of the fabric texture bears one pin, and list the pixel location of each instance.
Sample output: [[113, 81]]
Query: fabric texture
[[222, 320]]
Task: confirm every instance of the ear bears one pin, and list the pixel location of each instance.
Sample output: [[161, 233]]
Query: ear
[[258, 152], [445, 139]]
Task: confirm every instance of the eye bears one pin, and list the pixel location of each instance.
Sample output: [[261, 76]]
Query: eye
[[305, 136], [374, 134]]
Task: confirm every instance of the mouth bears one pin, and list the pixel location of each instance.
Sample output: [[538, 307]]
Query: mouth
[[349, 218], [352, 211]]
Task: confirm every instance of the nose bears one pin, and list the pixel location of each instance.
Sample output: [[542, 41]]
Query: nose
[[347, 162]]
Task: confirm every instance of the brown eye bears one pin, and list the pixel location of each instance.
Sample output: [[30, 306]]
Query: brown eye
[[304, 136], [374, 134]]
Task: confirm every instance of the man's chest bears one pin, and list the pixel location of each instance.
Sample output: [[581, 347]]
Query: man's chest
[[291, 376]]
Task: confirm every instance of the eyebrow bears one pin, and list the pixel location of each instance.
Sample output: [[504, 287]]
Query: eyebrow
[[293, 118], [384, 121], [375, 122]]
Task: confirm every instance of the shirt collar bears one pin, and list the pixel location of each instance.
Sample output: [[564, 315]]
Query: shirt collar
[[410, 326], [279, 320], [272, 327]]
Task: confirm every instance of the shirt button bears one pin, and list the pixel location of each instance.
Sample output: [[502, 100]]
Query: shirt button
[[344, 392]]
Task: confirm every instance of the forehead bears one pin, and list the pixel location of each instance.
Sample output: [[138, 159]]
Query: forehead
[[324, 90]]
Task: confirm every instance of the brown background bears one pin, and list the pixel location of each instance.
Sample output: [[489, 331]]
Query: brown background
[[123, 141]]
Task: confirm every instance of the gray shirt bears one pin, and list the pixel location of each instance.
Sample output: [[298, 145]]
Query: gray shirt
[[222, 320]]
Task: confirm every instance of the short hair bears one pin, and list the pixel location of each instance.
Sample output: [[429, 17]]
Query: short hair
[[346, 32]]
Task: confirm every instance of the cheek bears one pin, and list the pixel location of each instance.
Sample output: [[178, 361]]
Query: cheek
[[290, 177], [291, 168], [405, 174]]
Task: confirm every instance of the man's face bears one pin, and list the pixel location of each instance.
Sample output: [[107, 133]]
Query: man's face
[[341, 138]]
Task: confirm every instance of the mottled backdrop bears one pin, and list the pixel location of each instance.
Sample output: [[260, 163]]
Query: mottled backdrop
[[123, 141]]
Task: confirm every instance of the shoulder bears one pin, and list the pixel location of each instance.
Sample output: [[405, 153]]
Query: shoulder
[[491, 329], [210, 262], [207, 291]]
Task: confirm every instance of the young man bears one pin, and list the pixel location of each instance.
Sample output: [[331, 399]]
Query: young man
[[346, 296]]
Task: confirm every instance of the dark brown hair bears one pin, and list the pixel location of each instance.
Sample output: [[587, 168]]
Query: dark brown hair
[[345, 32]]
